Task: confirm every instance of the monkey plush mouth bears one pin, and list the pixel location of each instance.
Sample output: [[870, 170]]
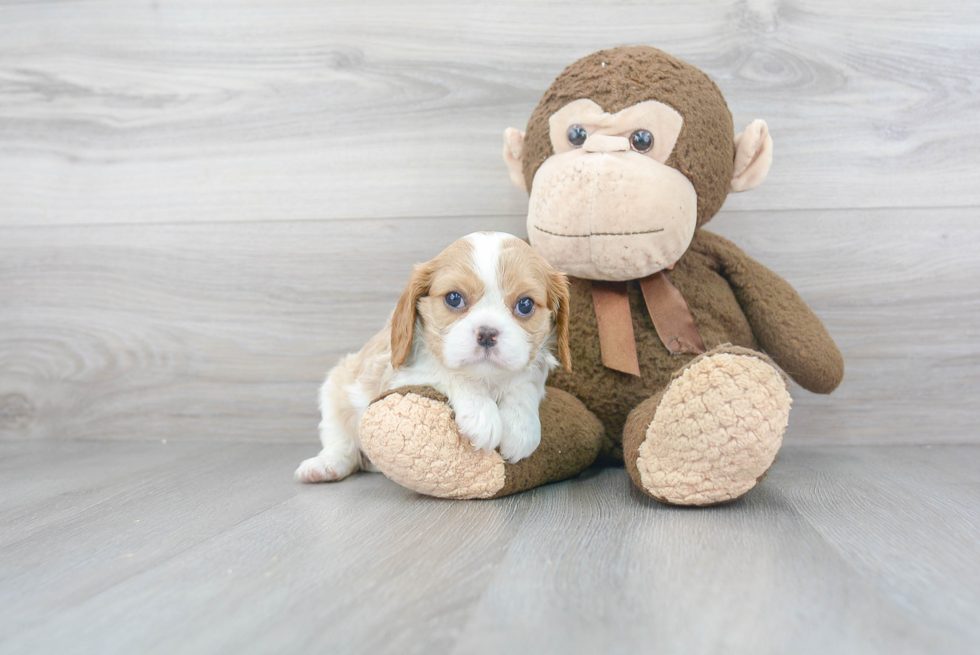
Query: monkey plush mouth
[[615, 255], [597, 234]]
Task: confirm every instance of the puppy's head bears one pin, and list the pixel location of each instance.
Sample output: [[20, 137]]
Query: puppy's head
[[486, 303]]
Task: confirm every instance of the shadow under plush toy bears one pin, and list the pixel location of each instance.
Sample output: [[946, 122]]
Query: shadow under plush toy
[[678, 339]]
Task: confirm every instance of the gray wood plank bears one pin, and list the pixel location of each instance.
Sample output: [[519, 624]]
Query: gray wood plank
[[843, 550], [44, 485], [907, 518], [116, 112], [63, 549], [224, 332], [623, 574], [280, 565]]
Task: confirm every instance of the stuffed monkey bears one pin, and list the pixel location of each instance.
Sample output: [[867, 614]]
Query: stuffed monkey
[[681, 345]]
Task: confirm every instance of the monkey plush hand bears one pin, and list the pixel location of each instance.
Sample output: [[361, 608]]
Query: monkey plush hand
[[681, 344]]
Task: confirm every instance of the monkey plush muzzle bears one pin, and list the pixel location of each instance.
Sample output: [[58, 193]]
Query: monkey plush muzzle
[[603, 212]]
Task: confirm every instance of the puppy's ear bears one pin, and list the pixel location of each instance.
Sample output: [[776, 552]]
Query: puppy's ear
[[559, 300], [406, 311]]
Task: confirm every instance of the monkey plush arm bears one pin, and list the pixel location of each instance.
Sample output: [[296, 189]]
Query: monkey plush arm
[[784, 326]]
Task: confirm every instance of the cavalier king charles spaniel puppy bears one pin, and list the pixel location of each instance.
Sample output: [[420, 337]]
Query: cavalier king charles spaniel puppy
[[478, 324]]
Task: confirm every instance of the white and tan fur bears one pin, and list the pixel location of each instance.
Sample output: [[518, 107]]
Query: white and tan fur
[[494, 390]]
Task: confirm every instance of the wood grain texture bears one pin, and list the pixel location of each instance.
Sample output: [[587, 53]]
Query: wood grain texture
[[224, 331], [912, 523], [176, 276], [216, 550], [118, 112]]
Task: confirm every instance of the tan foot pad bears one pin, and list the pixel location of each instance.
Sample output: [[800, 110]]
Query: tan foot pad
[[716, 431], [414, 441]]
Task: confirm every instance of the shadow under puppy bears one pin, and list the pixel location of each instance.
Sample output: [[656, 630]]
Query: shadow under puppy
[[478, 324]]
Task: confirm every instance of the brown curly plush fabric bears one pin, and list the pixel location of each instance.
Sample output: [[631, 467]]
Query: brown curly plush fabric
[[570, 440], [698, 429], [621, 77], [733, 299], [410, 433]]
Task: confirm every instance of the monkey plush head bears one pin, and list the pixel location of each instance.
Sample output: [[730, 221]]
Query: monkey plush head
[[628, 152]]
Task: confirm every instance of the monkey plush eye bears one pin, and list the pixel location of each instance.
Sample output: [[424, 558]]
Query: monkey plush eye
[[455, 300], [641, 140], [577, 135], [524, 307]]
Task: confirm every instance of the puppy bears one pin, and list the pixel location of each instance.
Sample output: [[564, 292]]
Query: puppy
[[478, 324]]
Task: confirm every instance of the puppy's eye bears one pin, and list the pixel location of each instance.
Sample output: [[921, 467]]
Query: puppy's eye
[[524, 307], [641, 140], [577, 135], [455, 300]]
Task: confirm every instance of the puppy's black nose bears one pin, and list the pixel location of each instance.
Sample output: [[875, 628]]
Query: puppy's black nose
[[487, 336]]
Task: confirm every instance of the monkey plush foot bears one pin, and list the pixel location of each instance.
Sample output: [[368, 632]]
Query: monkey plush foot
[[712, 434], [411, 436]]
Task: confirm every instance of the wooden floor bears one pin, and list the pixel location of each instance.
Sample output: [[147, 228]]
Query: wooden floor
[[197, 547]]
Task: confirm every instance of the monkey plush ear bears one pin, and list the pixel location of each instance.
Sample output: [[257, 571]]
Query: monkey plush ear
[[753, 156], [514, 156]]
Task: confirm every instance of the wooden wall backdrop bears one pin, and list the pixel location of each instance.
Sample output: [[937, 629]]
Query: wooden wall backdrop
[[202, 205]]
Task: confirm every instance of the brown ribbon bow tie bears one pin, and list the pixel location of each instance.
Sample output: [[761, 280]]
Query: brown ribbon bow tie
[[668, 309]]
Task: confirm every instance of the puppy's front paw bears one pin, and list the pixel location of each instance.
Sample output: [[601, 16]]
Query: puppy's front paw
[[325, 468], [479, 420], [522, 434]]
